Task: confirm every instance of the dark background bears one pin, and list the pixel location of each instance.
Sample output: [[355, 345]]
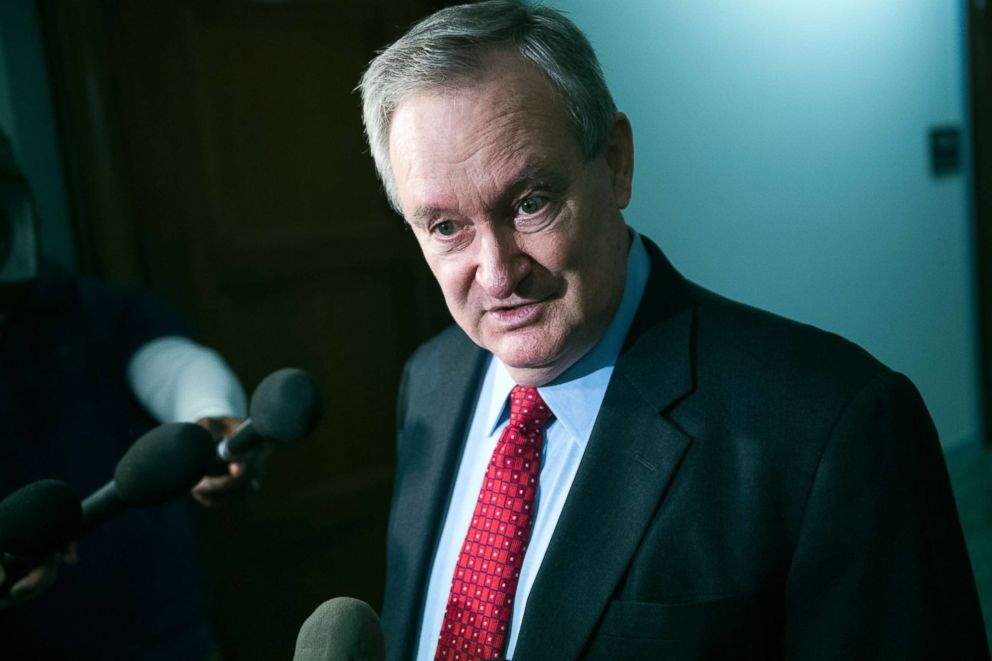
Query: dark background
[[213, 153]]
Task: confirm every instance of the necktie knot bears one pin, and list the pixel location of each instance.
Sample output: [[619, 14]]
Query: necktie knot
[[528, 412]]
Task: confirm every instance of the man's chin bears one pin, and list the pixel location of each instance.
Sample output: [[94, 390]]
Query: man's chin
[[533, 358], [520, 357]]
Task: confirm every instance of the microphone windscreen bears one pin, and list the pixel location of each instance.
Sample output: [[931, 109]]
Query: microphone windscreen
[[39, 518], [164, 464], [285, 406], [341, 629]]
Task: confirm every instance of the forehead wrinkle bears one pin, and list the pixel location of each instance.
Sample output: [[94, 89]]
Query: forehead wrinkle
[[494, 192], [467, 149], [447, 182]]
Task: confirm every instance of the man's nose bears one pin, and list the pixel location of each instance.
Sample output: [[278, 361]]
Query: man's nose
[[502, 264]]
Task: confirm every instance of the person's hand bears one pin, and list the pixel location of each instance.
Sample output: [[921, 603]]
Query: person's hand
[[36, 581], [243, 475]]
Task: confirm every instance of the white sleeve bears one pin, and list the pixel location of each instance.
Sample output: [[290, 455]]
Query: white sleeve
[[178, 380]]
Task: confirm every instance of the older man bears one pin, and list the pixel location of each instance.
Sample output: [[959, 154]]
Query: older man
[[603, 460]]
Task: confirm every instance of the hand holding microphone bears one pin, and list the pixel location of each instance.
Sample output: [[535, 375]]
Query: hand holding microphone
[[284, 407], [228, 481], [36, 522], [42, 518]]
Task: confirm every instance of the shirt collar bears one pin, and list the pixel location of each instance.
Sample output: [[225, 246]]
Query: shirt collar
[[576, 395]]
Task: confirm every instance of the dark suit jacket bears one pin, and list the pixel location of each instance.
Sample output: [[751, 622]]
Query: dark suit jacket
[[753, 488]]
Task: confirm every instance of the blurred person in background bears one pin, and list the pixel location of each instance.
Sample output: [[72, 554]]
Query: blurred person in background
[[85, 369]]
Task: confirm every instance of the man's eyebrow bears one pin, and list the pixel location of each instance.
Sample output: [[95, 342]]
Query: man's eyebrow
[[422, 215], [537, 174], [529, 175]]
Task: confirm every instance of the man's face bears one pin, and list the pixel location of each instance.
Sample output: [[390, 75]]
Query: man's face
[[523, 233]]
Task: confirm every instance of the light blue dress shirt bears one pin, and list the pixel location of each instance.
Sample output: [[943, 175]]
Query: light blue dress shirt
[[574, 398]]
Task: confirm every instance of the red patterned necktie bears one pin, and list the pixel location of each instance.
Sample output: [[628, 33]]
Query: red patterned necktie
[[480, 603]]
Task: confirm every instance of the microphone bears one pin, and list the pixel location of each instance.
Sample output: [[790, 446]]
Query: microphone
[[36, 520], [163, 464], [284, 407], [341, 629], [44, 516]]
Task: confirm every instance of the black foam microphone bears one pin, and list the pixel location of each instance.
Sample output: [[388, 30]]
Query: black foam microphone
[[163, 464], [284, 407], [44, 516], [35, 521], [341, 629]]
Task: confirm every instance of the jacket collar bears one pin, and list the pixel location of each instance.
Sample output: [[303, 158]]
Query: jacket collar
[[632, 456]]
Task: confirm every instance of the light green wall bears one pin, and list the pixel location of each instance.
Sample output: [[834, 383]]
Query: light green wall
[[781, 159]]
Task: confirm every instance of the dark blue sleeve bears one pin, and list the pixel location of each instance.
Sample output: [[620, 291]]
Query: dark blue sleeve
[[122, 319]]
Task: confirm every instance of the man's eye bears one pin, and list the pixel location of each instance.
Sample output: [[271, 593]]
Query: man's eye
[[446, 228], [533, 204]]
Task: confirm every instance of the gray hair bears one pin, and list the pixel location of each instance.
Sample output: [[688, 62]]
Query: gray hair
[[448, 49]]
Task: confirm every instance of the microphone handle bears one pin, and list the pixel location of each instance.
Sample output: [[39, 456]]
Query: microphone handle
[[244, 439], [99, 506]]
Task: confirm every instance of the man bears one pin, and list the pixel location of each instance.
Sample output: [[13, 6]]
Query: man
[[85, 369], [711, 481]]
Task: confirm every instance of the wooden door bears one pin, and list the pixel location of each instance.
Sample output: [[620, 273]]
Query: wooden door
[[215, 155]]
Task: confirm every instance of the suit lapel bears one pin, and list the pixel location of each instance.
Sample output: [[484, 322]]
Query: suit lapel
[[631, 457], [434, 445]]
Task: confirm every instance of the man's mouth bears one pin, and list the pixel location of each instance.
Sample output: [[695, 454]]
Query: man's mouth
[[515, 315]]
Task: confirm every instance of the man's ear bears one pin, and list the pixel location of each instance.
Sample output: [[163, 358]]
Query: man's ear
[[620, 159]]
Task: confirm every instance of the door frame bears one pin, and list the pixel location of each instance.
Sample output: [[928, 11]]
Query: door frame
[[979, 21]]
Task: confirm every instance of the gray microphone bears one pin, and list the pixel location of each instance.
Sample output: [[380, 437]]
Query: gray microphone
[[163, 464], [284, 407], [341, 629]]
